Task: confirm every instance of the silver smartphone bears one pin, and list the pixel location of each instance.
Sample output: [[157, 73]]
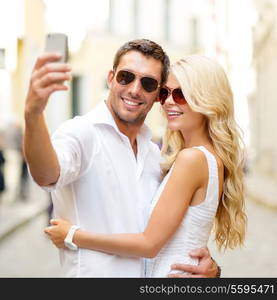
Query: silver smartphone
[[57, 42]]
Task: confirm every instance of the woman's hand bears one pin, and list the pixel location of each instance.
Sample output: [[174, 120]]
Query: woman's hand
[[58, 231]]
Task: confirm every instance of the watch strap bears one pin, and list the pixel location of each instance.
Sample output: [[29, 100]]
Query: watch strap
[[69, 238]]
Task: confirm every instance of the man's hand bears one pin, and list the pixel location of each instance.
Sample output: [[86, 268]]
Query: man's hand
[[46, 78], [58, 231], [207, 267]]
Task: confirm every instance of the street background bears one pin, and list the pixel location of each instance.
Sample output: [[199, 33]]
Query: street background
[[241, 35]]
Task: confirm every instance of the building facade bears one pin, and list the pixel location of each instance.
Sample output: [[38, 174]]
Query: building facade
[[262, 175]]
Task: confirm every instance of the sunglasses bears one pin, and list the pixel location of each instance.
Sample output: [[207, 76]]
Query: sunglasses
[[126, 77], [177, 95]]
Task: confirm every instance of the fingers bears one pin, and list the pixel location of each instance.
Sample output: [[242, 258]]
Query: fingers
[[49, 69], [47, 230], [185, 276], [46, 79], [185, 268], [46, 58], [54, 88], [205, 267], [50, 74], [54, 78], [54, 221], [56, 240], [60, 222], [199, 253]]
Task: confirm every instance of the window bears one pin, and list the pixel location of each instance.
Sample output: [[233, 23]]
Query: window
[[2, 58]]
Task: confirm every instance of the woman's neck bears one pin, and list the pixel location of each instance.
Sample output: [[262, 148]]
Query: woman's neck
[[196, 138]]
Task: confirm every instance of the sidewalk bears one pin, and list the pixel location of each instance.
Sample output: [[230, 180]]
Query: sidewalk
[[14, 211], [18, 212]]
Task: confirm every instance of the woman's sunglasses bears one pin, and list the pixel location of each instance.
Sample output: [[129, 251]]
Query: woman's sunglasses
[[177, 95], [126, 77]]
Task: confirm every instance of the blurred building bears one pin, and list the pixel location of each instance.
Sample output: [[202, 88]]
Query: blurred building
[[181, 26], [22, 34], [233, 32], [262, 178], [159, 20], [177, 25]]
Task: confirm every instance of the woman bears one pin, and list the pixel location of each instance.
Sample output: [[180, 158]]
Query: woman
[[203, 177]]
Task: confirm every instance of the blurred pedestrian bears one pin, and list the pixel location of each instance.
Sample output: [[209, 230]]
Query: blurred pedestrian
[[2, 177], [14, 136], [2, 165], [24, 177]]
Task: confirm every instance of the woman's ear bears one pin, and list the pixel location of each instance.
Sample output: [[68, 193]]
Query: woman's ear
[[110, 78]]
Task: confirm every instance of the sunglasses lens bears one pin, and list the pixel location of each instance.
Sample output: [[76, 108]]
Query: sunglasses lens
[[163, 95], [178, 96], [149, 84], [125, 77]]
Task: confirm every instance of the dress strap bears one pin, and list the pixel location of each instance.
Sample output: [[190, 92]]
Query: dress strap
[[213, 185]]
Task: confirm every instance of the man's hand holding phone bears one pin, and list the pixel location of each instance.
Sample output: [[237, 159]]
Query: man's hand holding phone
[[48, 75]]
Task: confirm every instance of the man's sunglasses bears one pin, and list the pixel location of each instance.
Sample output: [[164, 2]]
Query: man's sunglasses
[[177, 96], [126, 77]]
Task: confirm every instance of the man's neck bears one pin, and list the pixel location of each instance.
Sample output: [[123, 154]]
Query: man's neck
[[131, 130]]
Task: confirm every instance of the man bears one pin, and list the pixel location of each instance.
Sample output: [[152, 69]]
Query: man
[[102, 168]]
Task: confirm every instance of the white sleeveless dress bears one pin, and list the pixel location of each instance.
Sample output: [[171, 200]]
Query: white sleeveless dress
[[194, 230]]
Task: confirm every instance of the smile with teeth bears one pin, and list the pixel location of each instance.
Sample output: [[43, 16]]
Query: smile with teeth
[[174, 113], [130, 102]]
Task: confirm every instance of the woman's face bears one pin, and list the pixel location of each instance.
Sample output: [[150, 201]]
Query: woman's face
[[179, 115]]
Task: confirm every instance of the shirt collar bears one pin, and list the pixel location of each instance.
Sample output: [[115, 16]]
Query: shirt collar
[[102, 115]]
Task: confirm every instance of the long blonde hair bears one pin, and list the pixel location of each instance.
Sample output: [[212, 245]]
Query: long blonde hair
[[207, 91]]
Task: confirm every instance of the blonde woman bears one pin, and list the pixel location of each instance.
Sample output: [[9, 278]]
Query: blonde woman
[[202, 187]]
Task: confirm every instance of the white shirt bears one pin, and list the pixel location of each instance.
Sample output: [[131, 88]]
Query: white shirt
[[103, 188]]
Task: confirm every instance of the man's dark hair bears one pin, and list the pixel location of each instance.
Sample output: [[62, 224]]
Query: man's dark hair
[[147, 48]]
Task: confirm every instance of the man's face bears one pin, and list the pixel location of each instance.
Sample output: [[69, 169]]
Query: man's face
[[130, 103]]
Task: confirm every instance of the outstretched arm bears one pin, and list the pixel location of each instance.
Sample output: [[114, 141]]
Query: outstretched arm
[[46, 78]]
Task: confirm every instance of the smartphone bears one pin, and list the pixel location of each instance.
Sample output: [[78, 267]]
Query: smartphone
[[57, 42]]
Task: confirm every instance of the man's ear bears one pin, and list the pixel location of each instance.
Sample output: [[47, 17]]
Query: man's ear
[[110, 78]]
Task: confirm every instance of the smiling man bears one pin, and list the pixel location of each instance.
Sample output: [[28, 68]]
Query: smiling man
[[102, 168]]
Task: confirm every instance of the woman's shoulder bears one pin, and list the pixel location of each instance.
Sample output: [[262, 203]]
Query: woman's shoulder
[[191, 166], [191, 162], [190, 156]]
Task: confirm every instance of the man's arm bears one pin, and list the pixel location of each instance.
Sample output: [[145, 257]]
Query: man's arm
[[207, 267], [38, 150]]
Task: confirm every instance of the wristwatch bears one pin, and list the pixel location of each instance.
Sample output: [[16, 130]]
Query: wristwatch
[[69, 237]]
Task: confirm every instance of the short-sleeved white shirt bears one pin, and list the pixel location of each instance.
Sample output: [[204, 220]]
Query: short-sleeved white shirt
[[103, 188]]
